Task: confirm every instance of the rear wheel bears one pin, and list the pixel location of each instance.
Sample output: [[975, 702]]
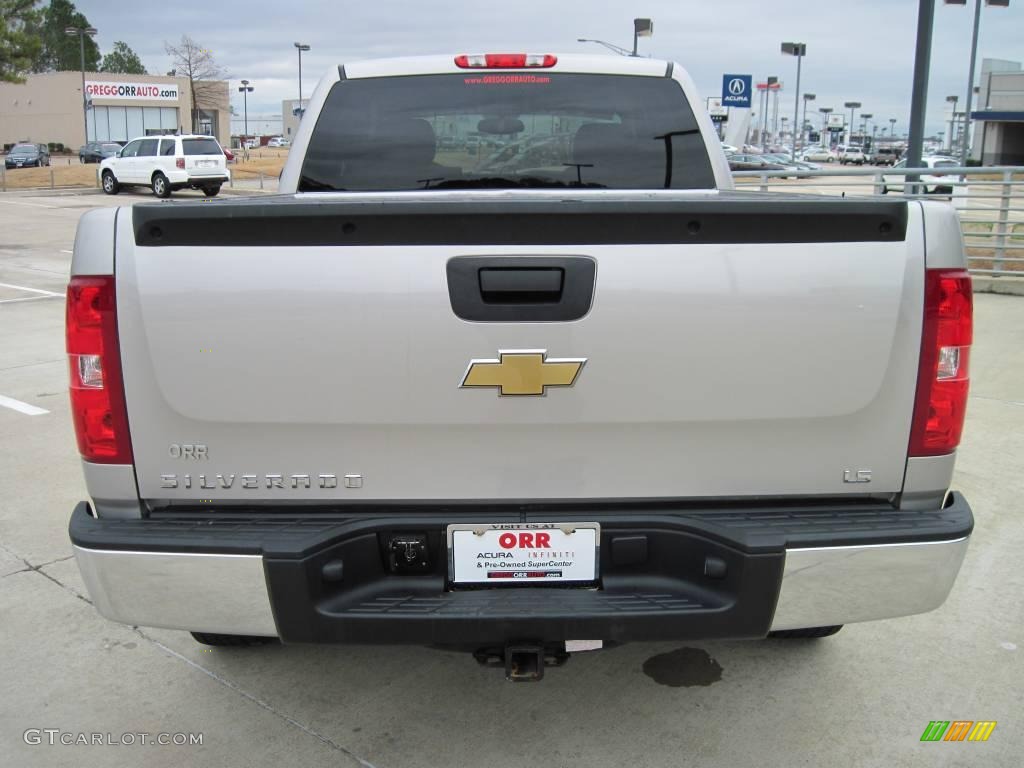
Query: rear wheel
[[161, 186], [110, 185], [807, 633], [228, 641], [212, 190]]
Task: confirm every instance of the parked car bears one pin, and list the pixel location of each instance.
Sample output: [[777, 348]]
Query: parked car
[[747, 162], [97, 151], [786, 160], [166, 164], [819, 155], [886, 155], [934, 183], [729, 149], [27, 155], [250, 143], [852, 156], [278, 141]]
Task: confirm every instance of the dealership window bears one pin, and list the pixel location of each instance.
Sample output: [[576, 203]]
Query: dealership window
[[125, 123]]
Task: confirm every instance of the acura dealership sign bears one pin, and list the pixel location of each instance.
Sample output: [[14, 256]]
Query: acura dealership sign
[[132, 91]]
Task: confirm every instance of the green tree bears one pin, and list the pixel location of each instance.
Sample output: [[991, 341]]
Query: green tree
[[122, 59], [19, 41], [61, 52]]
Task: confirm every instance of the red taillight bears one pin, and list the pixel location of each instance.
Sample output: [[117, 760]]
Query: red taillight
[[505, 60], [179, 162], [943, 378], [94, 361]]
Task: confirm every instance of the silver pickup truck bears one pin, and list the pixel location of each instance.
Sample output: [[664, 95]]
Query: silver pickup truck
[[508, 366]]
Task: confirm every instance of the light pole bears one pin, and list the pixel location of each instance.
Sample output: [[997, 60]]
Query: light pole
[[851, 105], [892, 127], [970, 77], [825, 112], [245, 89], [803, 125], [952, 122], [767, 90], [81, 32], [799, 50], [865, 117], [301, 47], [641, 28]]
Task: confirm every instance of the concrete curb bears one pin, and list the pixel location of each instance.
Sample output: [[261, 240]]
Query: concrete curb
[[1007, 286]]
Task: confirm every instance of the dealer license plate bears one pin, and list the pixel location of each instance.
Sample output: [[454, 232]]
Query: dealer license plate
[[501, 554], [206, 163]]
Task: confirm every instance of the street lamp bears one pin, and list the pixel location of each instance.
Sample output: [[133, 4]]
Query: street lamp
[[803, 125], [80, 33], [245, 89], [851, 105], [825, 112], [892, 127], [865, 117], [641, 28], [302, 47], [970, 76], [769, 82], [799, 50], [952, 123]]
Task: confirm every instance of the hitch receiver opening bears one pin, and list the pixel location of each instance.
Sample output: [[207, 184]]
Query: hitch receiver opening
[[523, 662]]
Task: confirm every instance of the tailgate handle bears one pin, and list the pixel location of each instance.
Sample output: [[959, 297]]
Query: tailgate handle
[[521, 285], [521, 289]]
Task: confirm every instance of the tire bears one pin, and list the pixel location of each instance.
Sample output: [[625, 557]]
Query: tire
[[211, 191], [231, 641], [161, 186], [110, 185], [885, 190], [809, 633]]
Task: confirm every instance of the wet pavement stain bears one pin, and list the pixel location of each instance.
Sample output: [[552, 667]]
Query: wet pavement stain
[[685, 667]]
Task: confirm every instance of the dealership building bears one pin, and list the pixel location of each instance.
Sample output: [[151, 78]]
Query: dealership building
[[999, 116], [47, 108]]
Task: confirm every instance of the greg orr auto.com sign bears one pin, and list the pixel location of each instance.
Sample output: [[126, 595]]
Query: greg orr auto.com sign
[[132, 91]]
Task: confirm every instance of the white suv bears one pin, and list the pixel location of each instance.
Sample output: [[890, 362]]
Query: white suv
[[167, 163], [852, 155]]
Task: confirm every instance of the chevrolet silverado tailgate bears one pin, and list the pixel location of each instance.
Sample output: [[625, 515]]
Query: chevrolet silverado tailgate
[[313, 347]]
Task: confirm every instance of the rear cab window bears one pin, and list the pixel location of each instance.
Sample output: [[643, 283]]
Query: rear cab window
[[200, 147], [506, 130]]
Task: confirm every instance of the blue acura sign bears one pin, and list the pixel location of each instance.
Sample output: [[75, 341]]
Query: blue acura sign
[[736, 91]]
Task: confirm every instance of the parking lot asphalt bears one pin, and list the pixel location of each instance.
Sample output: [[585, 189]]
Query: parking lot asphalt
[[861, 698]]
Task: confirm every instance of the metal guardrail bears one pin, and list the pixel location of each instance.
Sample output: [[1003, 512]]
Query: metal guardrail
[[990, 201]]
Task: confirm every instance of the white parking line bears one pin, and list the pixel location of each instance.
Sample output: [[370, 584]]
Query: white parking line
[[17, 405], [29, 298], [31, 205], [30, 290]]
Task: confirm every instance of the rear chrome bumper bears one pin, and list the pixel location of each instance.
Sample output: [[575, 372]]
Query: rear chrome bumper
[[179, 590], [166, 576], [841, 585]]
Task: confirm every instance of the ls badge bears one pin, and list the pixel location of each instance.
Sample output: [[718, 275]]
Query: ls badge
[[523, 372]]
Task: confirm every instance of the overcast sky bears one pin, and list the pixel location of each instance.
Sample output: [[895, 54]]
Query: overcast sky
[[858, 50]]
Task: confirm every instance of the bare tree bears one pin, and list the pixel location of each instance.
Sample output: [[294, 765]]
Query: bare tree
[[196, 62]]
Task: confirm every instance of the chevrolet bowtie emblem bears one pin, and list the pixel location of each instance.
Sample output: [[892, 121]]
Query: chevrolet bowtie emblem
[[523, 372]]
